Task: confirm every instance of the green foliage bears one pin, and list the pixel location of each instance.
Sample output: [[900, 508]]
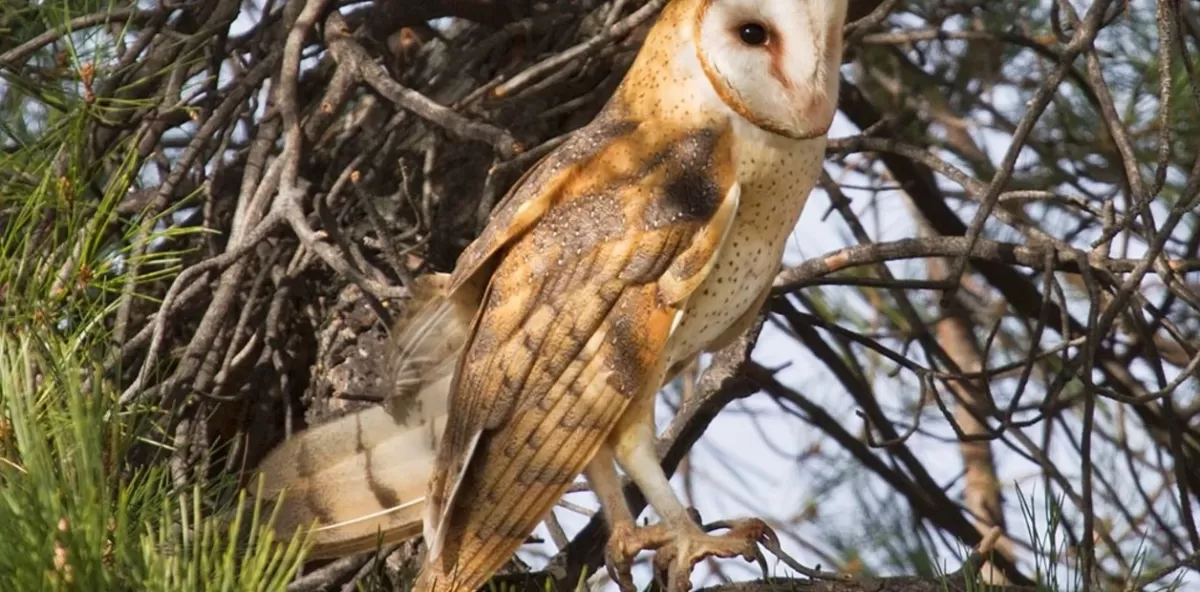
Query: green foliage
[[88, 500], [75, 515], [1054, 568]]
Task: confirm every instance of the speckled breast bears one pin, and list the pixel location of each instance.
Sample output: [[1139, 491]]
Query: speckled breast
[[776, 175]]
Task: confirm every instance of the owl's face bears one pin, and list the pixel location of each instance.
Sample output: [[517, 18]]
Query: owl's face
[[773, 62]]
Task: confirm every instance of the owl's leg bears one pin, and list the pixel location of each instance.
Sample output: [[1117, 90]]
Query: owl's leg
[[679, 540], [618, 557]]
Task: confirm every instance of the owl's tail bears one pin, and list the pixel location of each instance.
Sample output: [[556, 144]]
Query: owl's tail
[[359, 481]]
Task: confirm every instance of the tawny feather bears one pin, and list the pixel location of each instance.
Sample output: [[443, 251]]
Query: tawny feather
[[360, 480], [578, 312], [650, 235], [647, 237]]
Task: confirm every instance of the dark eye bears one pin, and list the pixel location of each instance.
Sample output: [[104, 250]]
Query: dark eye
[[752, 33]]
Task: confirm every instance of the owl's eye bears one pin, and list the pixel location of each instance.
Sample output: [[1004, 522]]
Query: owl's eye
[[752, 33]]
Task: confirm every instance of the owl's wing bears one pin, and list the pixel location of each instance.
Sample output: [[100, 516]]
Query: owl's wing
[[595, 258], [530, 197]]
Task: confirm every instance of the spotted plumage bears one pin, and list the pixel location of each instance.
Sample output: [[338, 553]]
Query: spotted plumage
[[649, 236], [652, 234]]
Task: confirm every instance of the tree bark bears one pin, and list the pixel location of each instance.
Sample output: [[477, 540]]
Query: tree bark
[[955, 582]]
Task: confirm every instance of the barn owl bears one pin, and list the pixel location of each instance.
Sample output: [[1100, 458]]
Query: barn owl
[[651, 235]]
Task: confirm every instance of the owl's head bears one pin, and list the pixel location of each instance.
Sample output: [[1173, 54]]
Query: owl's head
[[773, 62]]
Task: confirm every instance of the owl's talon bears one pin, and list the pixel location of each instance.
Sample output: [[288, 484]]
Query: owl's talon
[[619, 570], [619, 573], [677, 558], [767, 539], [625, 542], [679, 550]]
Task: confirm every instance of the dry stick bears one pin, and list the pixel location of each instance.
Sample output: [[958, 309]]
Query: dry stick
[[557, 534], [288, 200], [1182, 207], [1120, 138], [1037, 105], [237, 353], [252, 204], [856, 30], [932, 348], [1166, 49], [13, 58], [500, 169], [289, 71], [928, 500], [328, 575], [1072, 260], [1043, 318], [190, 277], [546, 66], [800, 276], [981, 490], [290, 204], [349, 54], [976, 189], [1032, 256], [371, 564], [978, 557], [786, 309], [233, 102], [614, 12], [1087, 564]]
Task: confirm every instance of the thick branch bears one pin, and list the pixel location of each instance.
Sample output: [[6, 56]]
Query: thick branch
[[893, 584], [988, 254]]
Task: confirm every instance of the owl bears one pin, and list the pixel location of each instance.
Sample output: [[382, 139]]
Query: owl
[[650, 236]]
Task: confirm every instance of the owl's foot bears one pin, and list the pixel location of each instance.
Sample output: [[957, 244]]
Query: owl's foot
[[680, 548], [676, 559], [625, 542]]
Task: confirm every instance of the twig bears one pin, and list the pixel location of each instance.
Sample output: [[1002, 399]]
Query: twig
[[548, 65], [13, 58], [349, 54]]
